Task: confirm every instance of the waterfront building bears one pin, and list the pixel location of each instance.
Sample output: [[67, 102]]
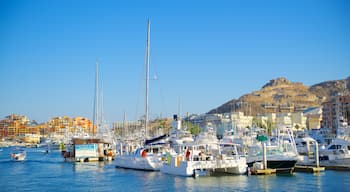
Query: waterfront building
[[20, 127], [63, 125], [314, 117], [15, 125], [298, 120], [240, 120], [284, 119], [340, 104]]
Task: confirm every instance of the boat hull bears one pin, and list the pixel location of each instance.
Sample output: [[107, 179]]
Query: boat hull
[[149, 163], [279, 165], [18, 156]]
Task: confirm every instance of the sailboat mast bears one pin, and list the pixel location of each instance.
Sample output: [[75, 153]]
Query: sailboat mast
[[95, 115], [147, 75]]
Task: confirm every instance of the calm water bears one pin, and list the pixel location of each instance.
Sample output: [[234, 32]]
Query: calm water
[[46, 172]]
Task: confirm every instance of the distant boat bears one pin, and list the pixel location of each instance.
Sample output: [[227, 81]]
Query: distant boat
[[19, 155]]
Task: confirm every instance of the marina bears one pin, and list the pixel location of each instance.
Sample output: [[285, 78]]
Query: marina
[[48, 172], [215, 96]]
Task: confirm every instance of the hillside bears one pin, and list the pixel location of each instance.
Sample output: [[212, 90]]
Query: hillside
[[282, 95]]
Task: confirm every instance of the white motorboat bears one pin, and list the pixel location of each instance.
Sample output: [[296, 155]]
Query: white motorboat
[[198, 160], [281, 155], [19, 155], [337, 153]]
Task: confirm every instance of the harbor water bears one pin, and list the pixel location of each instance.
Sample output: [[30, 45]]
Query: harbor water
[[49, 172]]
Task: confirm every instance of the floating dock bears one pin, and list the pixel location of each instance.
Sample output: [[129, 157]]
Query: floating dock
[[263, 171], [309, 169]]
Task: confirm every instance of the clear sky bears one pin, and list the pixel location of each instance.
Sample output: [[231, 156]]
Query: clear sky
[[203, 53]]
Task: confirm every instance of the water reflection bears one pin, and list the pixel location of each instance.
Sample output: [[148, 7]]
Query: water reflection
[[89, 166], [216, 183]]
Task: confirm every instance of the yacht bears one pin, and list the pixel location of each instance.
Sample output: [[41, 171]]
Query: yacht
[[281, 153], [178, 135], [200, 160], [306, 147], [337, 153]]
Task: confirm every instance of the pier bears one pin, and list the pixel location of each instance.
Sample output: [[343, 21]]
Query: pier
[[311, 168]]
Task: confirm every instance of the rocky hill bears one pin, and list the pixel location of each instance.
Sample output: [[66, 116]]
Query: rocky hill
[[282, 95]]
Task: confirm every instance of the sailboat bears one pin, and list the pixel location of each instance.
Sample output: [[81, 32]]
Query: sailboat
[[146, 157], [86, 147]]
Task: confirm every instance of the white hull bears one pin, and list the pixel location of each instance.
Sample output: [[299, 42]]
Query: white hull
[[185, 169], [148, 163], [19, 156], [181, 167]]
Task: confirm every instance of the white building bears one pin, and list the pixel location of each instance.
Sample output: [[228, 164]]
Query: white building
[[298, 120], [240, 120]]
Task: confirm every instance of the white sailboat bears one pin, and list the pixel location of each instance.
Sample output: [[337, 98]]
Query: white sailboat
[[92, 146], [147, 157]]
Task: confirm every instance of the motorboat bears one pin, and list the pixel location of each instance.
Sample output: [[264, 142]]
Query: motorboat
[[19, 155], [202, 160], [281, 153], [336, 153]]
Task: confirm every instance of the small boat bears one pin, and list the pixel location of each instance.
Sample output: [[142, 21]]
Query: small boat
[[19, 155]]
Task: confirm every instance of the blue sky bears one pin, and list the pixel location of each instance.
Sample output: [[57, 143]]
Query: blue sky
[[203, 53]]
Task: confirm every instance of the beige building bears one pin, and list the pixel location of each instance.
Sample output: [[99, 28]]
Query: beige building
[[298, 120], [313, 118], [340, 105], [240, 120]]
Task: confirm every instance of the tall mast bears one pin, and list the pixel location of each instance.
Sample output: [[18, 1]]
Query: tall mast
[[147, 75], [95, 115]]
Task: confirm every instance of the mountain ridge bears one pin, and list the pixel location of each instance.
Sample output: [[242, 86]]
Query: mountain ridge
[[282, 95]]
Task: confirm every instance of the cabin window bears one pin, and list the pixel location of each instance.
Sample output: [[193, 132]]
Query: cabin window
[[335, 147]]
